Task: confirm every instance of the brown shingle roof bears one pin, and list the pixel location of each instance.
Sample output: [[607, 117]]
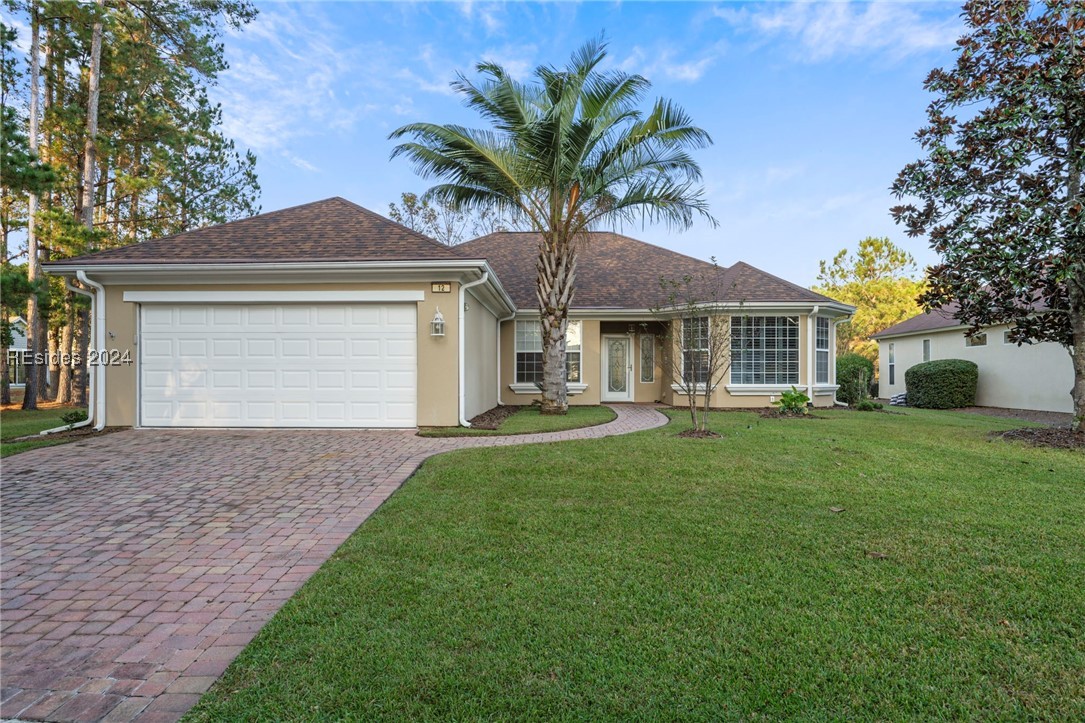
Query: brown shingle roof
[[619, 272], [940, 318], [330, 230]]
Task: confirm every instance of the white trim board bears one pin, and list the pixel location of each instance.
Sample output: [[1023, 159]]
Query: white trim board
[[270, 297]]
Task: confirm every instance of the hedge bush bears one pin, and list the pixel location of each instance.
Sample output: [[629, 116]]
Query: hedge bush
[[942, 384], [854, 373]]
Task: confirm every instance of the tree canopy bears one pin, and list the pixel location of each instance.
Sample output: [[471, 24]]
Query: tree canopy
[[998, 190], [879, 281]]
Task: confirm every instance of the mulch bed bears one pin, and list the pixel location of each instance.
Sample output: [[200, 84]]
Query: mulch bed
[[494, 417], [700, 434], [70, 434], [1054, 437]]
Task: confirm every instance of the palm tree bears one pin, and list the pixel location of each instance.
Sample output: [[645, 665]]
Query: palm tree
[[566, 153]]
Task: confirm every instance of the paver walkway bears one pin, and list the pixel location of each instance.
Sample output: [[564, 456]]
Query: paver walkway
[[138, 564]]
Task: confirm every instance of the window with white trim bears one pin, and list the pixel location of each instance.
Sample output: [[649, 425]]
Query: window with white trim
[[979, 339], [695, 359], [926, 350], [764, 350], [821, 352], [1006, 337], [647, 358], [529, 352], [892, 363]]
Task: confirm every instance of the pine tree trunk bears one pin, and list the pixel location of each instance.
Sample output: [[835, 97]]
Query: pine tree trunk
[[5, 381], [80, 370], [90, 146], [54, 363], [64, 378], [554, 290], [33, 313]]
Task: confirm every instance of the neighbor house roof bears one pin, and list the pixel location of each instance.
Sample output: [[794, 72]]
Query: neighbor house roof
[[331, 230], [619, 272], [940, 318]]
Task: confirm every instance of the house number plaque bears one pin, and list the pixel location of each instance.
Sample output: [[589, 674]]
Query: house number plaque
[[440, 287]]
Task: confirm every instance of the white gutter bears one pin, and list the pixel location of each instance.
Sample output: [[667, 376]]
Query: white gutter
[[98, 328], [510, 317], [811, 348], [462, 331], [94, 412]]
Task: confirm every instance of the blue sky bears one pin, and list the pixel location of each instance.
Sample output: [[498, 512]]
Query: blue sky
[[812, 106]]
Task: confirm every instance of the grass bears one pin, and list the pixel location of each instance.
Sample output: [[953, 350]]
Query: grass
[[20, 423], [652, 577], [529, 421]]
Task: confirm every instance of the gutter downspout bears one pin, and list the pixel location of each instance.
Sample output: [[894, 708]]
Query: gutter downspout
[[811, 348], [510, 317], [462, 333], [93, 414], [837, 323], [99, 334]]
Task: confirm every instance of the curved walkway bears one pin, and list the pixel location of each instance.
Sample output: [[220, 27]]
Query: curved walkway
[[136, 565]]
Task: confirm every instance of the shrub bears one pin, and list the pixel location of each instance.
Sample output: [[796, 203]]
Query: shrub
[[73, 418], [792, 402], [854, 373], [942, 384], [866, 406], [879, 405]]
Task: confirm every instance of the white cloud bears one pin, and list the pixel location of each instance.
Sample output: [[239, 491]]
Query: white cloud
[[663, 63], [824, 30]]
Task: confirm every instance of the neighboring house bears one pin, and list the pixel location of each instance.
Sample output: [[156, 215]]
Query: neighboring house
[[16, 352], [1030, 376], [329, 315]]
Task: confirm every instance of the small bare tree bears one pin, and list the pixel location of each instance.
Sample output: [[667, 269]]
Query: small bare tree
[[697, 352]]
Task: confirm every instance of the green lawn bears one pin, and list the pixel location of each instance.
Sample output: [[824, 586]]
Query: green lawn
[[20, 423], [653, 577], [529, 421]]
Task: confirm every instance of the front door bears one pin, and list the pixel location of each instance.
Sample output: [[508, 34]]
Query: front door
[[617, 369]]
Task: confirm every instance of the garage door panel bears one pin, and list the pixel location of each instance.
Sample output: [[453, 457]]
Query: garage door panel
[[278, 365]]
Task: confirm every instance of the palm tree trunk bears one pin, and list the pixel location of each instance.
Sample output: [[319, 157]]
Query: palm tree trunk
[[33, 268], [554, 290]]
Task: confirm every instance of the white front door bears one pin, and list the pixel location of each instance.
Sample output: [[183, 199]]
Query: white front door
[[278, 365], [617, 369]]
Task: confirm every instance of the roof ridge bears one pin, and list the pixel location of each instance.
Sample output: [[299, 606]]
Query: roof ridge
[[408, 229], [791, 284]]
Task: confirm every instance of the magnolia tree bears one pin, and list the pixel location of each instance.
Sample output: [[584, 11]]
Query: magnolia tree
[[999, 187], [697, 356]]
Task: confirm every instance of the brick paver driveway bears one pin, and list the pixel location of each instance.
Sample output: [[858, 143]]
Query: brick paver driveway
[[138, 564]]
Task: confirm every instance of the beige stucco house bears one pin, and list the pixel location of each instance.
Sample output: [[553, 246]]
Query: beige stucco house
[[1030, 376], [329, 315]]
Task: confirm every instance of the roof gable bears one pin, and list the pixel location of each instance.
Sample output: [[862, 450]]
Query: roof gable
[[619, 272], [330, 230]]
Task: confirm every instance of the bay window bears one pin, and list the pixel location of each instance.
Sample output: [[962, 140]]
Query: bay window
[[765, 350], [821, 352], [695, 347]]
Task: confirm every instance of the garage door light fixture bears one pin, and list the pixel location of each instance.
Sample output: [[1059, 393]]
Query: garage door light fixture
[[437, 326]]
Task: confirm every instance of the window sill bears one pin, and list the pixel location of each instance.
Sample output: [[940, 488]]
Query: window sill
[[824, 390], [528, 388], [760, 390], [679, 389]]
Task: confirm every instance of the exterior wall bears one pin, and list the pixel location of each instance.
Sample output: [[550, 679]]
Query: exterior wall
[[660, 389], [438, 359], [480, 357], [1036, 376]]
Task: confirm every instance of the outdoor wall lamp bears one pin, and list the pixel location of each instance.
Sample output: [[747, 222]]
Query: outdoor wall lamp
[[437, 326]]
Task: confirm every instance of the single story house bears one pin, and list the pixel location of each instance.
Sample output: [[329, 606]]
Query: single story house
[[1030, 376], [17, 352], [330, 315]]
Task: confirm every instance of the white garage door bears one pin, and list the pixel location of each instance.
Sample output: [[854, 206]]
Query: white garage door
[[264, 365]]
